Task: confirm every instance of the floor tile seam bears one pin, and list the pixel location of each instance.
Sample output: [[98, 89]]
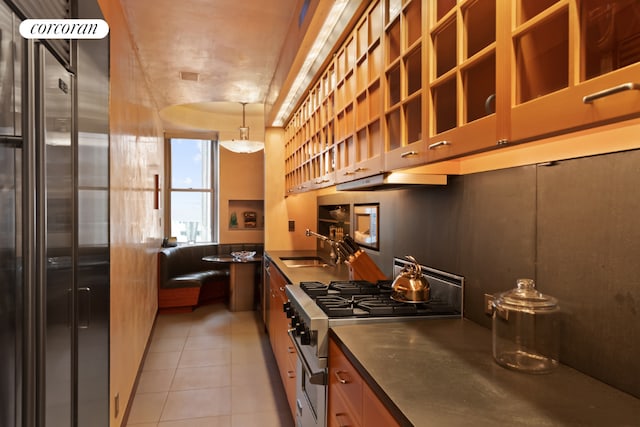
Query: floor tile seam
[[161, 420], [164, 402]]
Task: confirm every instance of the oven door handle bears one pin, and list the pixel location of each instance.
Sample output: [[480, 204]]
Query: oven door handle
[[317, 378]]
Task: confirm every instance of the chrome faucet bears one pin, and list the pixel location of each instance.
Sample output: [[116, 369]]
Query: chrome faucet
[[335, 254]]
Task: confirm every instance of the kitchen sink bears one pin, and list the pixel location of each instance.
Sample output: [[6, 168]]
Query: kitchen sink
[[304, 261]]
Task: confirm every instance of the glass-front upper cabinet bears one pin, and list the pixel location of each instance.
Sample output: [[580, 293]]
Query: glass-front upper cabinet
[[359, 141], [405, 104], [467, 77], [576, 63]]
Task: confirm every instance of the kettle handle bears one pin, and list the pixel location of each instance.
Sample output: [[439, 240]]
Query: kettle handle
[[416, 267]]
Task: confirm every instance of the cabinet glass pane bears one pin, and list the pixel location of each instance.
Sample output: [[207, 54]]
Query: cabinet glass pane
[[527, 9], [612, 35], [444, 101], [362, 74], [393, 9], [375, 139], [414, 120], [444, 6], [362, 150], [413, 20], [393, 83], [362, 112], [480, 22], [445, 48], [393, 129], [350, 55], [542, 59], [375, 62], [374, 100], [414, 71], [375, 23], [363, 38], [480, 88], [393, 41]]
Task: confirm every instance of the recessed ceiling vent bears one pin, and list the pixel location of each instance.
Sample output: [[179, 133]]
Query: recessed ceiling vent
[[189, 76]]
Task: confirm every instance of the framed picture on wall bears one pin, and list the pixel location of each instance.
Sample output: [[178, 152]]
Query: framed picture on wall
[[366, 225]]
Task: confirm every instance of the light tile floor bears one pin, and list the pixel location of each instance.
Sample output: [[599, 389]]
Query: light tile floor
[[209, 368]]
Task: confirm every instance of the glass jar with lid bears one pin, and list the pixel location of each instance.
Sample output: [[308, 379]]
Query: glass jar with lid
[[526, 329]]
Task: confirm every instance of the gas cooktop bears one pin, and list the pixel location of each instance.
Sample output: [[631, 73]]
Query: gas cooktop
[[365, 299]]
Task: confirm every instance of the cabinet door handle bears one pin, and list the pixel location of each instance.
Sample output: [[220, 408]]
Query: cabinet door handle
[[611, 91], [409, 154], [339, 377], [360, 169], [439, 144], [344, 416], [349, 173]]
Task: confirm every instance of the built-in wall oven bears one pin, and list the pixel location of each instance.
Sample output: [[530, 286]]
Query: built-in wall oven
[[314, 307]]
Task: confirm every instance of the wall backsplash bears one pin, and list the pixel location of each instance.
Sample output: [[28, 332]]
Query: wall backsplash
[[572, 226]]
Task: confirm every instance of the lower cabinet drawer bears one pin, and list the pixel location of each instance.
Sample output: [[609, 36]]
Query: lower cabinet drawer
[[346, 383], [339, 414]]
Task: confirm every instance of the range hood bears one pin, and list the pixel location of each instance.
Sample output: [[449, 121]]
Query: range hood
[[391, 181]]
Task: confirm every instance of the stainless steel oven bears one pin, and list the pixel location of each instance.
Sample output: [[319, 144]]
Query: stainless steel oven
[[311, 390], [314, 307]]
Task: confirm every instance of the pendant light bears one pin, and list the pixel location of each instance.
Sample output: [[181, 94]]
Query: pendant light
[[244, 144]]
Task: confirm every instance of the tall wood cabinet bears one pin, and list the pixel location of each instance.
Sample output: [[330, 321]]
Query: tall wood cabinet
[[418, 82]]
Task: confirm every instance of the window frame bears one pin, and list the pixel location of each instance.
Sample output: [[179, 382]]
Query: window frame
[[212, 138]]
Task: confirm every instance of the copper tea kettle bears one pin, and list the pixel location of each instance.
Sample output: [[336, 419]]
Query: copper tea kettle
[[410, 285]]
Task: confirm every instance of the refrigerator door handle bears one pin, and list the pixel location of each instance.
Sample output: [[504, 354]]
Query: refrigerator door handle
[[84, 308]]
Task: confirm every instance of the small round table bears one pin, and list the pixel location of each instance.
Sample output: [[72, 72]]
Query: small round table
[[242, 273]]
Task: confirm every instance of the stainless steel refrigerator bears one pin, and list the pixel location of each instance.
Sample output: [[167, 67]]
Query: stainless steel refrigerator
[[54, 248]]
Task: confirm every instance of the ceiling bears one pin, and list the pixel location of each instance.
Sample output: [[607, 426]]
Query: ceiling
[[203, 58], [228, 49]]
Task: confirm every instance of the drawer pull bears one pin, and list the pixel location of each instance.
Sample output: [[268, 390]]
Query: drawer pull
[[291, 374], [339, 377], [360, 169], [611, 91], [349, 173], [409, 154], [439, 144], [344, 416], [291, 350]]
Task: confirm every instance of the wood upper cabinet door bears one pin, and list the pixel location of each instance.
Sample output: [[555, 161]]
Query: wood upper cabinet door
[[467, 77], [576, 64], [405, 73]]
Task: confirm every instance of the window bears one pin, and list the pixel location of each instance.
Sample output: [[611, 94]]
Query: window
[[191, 192]]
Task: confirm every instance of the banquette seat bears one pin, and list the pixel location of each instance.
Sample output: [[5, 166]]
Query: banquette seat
[[185, 280]]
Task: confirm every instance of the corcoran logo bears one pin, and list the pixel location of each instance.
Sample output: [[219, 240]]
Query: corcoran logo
[[64, 29]]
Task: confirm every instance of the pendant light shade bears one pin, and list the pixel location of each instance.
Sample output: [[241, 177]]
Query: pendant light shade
[[243, 144]]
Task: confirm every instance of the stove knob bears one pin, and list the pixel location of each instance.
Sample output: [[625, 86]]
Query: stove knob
[[295, 321], [287, 309], [300, 328], [305, 337]]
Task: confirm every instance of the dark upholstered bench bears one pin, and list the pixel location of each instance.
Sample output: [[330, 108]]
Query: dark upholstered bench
[[185, 280]]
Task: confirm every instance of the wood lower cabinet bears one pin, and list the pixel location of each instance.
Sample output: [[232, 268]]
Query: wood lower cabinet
[[281, 345], [351, 401]]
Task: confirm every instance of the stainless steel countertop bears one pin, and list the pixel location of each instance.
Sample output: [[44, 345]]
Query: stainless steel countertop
[[440, 372], [307, 274]]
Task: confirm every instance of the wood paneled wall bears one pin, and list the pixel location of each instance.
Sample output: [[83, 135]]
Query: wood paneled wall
[[136, 155]]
